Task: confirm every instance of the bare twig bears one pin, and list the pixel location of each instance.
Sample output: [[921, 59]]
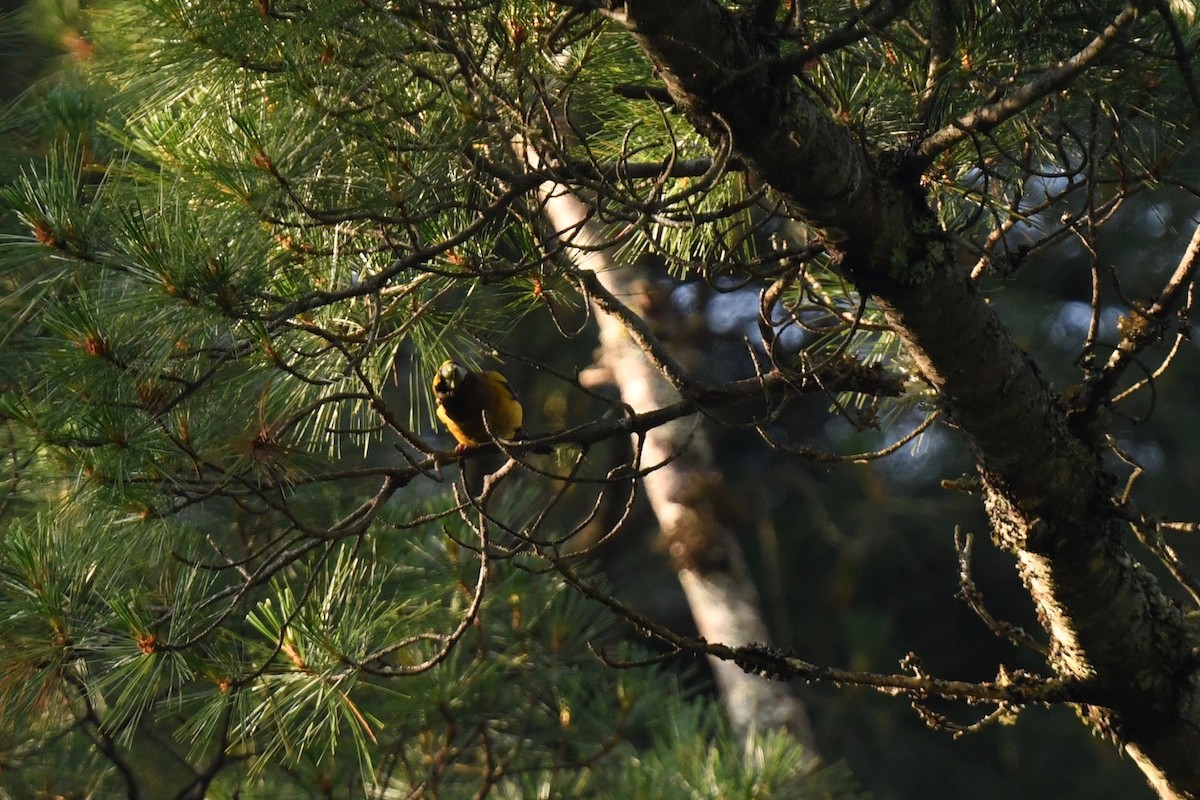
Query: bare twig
[[1144, 329], [970, 594], [775, 664]]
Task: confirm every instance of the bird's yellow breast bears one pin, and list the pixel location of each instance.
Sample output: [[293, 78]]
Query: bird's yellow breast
[[480, 403]]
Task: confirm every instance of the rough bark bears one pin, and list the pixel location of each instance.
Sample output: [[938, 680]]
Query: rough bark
[[686, 494], [1048, 496]]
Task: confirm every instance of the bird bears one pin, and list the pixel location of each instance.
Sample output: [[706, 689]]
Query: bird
[[476, 407]]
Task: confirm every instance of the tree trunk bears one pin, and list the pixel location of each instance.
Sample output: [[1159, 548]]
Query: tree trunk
[[1048, 496], [686, 493]]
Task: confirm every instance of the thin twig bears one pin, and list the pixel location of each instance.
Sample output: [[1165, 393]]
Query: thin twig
[[970, 594]]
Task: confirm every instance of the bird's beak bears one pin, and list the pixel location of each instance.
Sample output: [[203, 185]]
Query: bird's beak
[[449, 375]]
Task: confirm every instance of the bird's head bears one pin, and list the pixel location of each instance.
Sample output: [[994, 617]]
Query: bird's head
[[449, 377]]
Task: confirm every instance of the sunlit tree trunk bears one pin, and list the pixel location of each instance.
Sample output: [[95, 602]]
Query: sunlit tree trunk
[[687, 493]]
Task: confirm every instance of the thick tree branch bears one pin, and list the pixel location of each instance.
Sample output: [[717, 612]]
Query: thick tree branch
[[1048, 494], [887, 238]]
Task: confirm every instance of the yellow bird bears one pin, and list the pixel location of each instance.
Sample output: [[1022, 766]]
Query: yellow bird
[[476, 406]]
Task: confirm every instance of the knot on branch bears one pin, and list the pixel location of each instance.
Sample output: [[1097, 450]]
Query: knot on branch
[[760, 659]]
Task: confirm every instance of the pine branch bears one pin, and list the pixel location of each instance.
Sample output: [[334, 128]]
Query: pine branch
[[1049, 79]]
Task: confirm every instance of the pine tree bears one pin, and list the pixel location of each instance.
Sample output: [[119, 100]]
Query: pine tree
[[238, 561]]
